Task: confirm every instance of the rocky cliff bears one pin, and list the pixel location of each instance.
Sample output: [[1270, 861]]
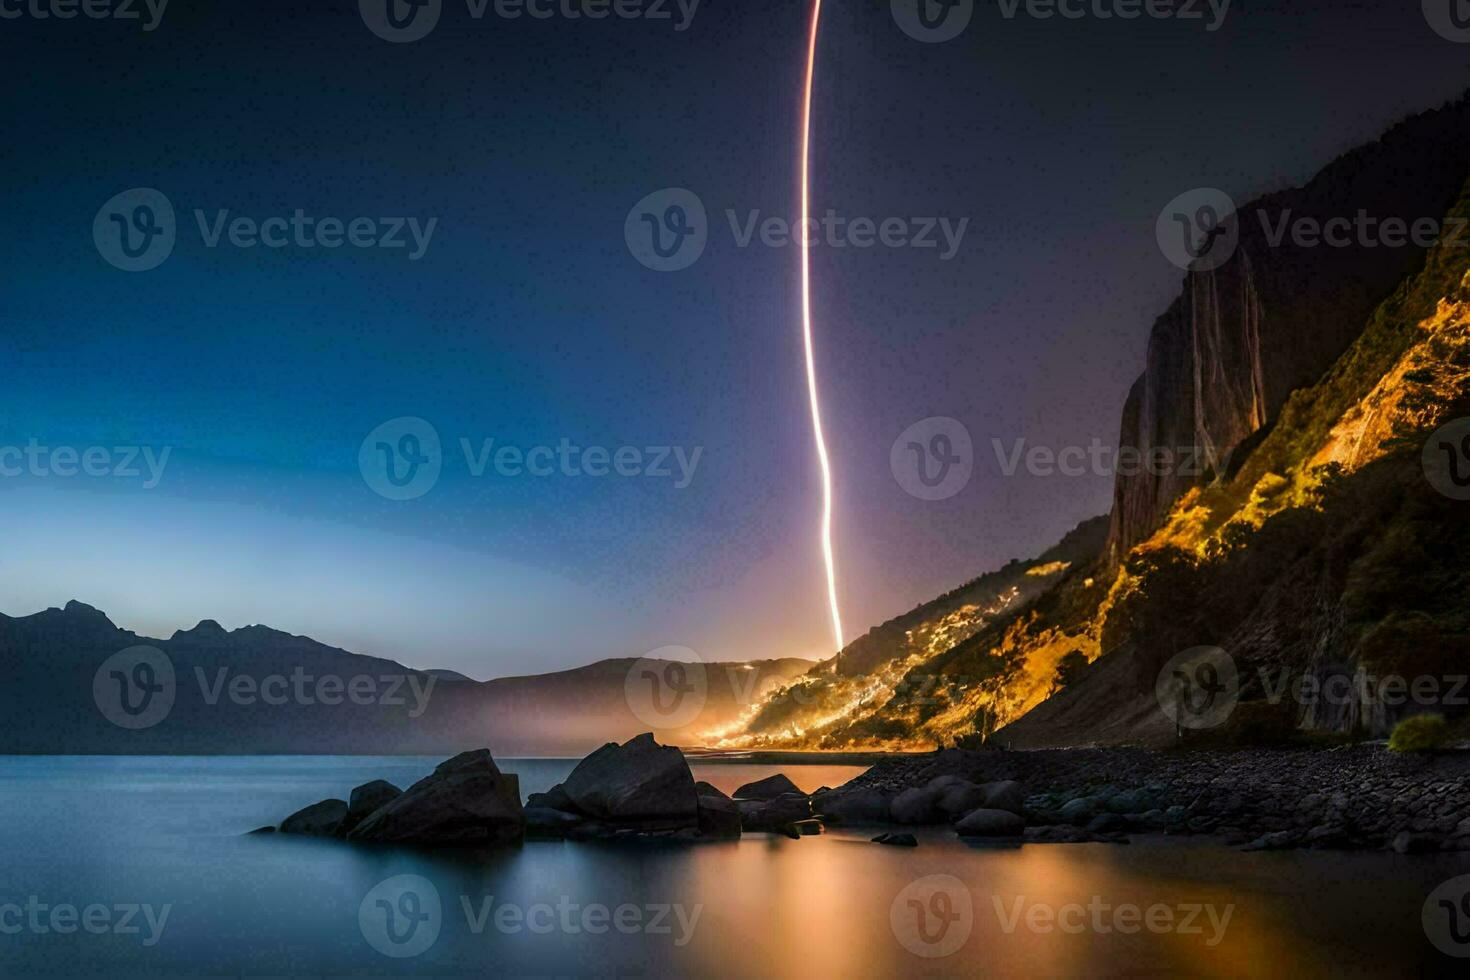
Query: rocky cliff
[[1225, 356]]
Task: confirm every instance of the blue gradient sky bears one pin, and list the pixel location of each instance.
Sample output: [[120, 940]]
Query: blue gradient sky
[[528, 321]]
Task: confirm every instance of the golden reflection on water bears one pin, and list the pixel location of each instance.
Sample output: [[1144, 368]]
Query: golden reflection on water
[[821, 907]]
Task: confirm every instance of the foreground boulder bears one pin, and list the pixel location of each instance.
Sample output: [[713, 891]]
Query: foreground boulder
[[639, 781], [774, 816], [768, 788], [364, 800], [466, 801], [318, 820], [852, 806], [719, 817]]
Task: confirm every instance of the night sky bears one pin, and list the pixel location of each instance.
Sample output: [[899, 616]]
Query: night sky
[[528, 320]]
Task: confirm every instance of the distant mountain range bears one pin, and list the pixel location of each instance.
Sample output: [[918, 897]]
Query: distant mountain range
[[66, 690]]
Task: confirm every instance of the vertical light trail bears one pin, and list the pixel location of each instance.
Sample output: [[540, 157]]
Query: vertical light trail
[[806, 324]]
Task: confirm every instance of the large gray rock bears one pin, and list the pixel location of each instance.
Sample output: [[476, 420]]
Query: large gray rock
[[1131, 801], [465, 801], [853, 806], [768, 788], [1079, 812], [1005, 795], [959, 799], [318, 820], [364, 800], [719, 817], [917, 805], [991, 823], [638, 781], [556, 798]]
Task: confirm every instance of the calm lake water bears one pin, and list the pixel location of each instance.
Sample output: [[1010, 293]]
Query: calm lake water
[[100, 836]]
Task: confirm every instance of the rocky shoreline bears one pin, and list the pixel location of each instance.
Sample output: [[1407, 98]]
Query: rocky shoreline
[[1353, 797]]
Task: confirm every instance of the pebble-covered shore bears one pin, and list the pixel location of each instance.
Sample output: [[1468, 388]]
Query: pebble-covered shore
[[1353, 797]]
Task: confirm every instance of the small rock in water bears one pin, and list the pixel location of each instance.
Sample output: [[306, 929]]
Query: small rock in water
[[897, 840], [809, 827]]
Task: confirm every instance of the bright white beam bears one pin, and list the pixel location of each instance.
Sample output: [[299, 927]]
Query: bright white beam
[[806, 324]]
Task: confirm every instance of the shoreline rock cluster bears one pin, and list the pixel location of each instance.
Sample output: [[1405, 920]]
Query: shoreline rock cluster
[[1357, 797]]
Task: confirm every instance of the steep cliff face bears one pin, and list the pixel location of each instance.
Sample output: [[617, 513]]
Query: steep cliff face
[[1225, 356]]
